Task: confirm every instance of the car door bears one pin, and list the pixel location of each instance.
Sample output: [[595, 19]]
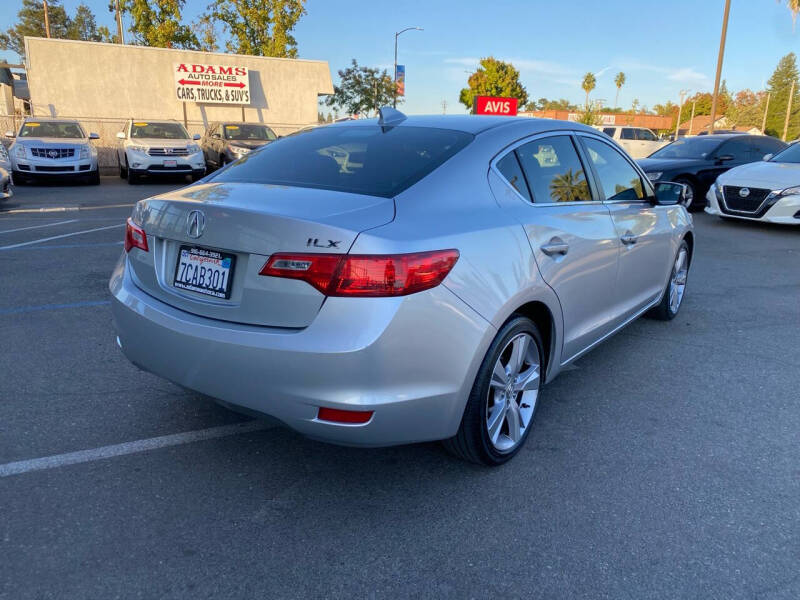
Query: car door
[[627, 139], [570, 231], [644, 231]]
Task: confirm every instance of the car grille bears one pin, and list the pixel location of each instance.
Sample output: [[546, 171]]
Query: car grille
[[65, 169], [749, 203], [53, 153], [167, 152]]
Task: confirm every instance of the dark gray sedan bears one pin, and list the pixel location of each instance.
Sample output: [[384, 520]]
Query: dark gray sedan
[[226, 142]]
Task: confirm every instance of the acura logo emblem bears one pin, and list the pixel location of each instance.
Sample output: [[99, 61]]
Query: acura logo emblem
[[196, 224], [744, 192]]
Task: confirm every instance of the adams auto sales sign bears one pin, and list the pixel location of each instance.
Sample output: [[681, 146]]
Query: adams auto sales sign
[[211, 84], [488, 105]]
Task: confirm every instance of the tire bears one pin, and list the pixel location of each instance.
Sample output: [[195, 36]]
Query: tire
[[133, 178], [692, 202], [18, 178], [123, 172], [477, 440], [94, 177], [668, 309]]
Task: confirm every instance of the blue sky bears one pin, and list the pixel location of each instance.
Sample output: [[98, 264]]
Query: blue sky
[[662, 47]]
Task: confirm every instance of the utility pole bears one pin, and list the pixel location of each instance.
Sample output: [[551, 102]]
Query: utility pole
[[691, 121], [680, 109], [788, 112], [766, 110], [46, 18], [719, 64], [120, 33]]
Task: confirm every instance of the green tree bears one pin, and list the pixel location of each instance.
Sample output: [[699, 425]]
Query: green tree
[[83, 25], [619, 81], [590, 116], [158, 23], [493, 78], [259, 27], [746, 109], [588, 84], [30, 22], [779, 86], [362, 90]]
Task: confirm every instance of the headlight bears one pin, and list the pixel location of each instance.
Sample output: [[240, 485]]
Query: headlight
[[791, 191], [654, 176], [142, 149], [192, 148], [19, 151], [84, 152], [717, 190], [240, 150]]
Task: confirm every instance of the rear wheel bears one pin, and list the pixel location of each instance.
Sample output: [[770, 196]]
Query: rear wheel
[[676, 287], [501, 406]]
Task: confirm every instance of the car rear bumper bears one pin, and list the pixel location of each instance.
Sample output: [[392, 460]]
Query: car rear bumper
[[785, 211], [412, 360]]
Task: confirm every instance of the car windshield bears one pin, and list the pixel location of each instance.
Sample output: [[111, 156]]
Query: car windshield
[[361, 159], [52, 129], [162, 131], [242, 132], [689, 148], [788, 155]]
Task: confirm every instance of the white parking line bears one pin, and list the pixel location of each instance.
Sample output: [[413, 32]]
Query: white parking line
[[38, 226], [58, 237], [177, 439]]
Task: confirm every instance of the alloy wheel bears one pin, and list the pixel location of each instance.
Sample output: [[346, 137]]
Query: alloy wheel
[[677, 284], [513, 392]]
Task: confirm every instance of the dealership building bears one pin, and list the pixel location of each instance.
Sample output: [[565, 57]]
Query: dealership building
[[103, 85]]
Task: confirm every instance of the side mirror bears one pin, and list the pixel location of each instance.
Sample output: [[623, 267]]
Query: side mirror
[[670, 194], [725, 157], [196, 136], [94, 136], [768, 156], [10, 134], [121, 135]]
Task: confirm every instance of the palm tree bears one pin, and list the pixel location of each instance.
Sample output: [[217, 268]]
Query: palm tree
[[569, 187], [619, 81], [794, 6], [588, 84]]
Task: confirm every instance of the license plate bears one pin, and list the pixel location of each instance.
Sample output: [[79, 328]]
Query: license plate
[[170, 163], [204, 271]]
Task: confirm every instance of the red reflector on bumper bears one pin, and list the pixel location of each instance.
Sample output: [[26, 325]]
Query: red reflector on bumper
[[344, 416]]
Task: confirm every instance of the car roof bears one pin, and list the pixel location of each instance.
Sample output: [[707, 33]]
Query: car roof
[[473, 124], [49, 120]]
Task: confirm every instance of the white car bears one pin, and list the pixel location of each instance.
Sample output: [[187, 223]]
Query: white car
[[157, 148], [5, 183], [46, 148], [639, 142], [766, 191]]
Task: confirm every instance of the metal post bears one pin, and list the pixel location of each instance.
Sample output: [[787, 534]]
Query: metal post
[[788, 112], [185, 121], [46, 18], [719, 64], [691, 121], [766, 110], [243, 119], [680, 109], [394, 96]]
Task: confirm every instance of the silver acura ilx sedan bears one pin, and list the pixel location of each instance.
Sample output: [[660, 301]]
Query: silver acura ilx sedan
[[403, 279]]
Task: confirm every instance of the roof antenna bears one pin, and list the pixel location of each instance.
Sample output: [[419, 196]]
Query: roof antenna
[[390, 116]]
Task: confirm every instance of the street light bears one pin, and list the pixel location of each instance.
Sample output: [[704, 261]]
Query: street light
[[396, 35]]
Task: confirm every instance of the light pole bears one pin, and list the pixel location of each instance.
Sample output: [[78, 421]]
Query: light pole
[[719, 64], [680, 108], [397, 35]]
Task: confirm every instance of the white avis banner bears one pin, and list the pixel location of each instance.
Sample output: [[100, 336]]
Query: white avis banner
[[211, 84]]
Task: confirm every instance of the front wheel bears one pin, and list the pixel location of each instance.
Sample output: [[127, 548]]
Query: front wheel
[[501, 406], [691, 193], [676, 287]]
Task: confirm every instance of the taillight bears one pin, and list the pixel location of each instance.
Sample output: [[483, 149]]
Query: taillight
[[365, 274], [135, 237]]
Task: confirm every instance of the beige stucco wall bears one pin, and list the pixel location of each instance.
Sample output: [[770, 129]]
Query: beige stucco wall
[[102, 85]]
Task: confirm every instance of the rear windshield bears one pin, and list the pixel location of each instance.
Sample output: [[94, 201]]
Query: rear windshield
[[52, 129], [361, 159], [161, 131], [243, 132], [688, 148]]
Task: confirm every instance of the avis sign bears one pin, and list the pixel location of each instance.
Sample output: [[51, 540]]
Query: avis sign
[[211, 84], [487, 105]]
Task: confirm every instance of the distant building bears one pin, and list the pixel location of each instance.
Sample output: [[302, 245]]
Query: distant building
[[636, 120], [703, 122]]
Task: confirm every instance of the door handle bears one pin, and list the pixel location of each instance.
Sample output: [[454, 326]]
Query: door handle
[[555, 246], [628, 239]]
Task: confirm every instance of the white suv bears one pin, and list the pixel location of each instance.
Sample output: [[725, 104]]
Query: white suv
[[154, 148], [53, 148], [639, 142]]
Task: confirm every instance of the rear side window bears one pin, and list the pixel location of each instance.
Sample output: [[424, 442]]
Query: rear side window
[[360, 159], [646, 135], [553, 170], [617, 177], [609, 131], [509, 167], [628, 134]]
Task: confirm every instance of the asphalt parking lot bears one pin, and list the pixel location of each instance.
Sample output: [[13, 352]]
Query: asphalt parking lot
[[666, 464]]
